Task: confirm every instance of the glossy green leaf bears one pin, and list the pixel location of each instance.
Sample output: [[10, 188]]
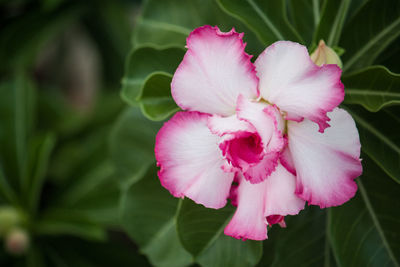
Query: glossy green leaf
[[364, 231], [390, 57], [268, 19], [132, 145], [148, 215], [304, 16], [369, 32], [201, 232], [17, 116], [169, 22], [142, 62], [156, 101], [373, 88], [379, 139], [304, 242], [39, 160], [227, 251], [333, 17]]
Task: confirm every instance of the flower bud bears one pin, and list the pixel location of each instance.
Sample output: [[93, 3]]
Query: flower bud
[[325, 55], [17, 241]]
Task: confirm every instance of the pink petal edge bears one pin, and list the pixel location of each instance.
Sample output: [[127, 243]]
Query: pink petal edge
[[213, 72], [190, 160]]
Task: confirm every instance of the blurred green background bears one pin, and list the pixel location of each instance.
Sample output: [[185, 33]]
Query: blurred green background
[[84, 87], [61, 66]]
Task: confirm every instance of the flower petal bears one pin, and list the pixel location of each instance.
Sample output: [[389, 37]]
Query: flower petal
[[266, 119], [249, 221], [326, 163], [289, 79], [255, 202], [228, 125], [286, 159], [261, 171], [190, 160], [214, 71], [280, 194]]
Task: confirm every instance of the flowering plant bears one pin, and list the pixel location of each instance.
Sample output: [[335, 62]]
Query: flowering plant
[[257, 134], [226, 126]]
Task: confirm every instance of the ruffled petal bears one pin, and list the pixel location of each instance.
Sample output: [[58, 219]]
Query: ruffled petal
[[228, 125], [266, 119], [280, 194], [249, 221], [326, 163], [286, 159], [274, 196], [269, 124], [263, 169], [190, 160], [289, 79], [214, 71]]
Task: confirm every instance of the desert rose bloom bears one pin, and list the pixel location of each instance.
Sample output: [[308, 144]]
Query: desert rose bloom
[[267, 135]]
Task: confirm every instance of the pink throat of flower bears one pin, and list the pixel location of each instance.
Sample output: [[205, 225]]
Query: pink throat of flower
[[243, 150]]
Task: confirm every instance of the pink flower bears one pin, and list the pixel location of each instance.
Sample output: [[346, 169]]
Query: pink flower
[[257, 133]]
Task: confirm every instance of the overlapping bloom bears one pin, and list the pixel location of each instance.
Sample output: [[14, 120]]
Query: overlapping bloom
[[268, 135]]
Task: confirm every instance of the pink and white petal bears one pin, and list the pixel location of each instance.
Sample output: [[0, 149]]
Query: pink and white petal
[[289, 79], [214, 71], [326, 163], [249, 221], [287, 161], [190, 160], [265, 118], [280, 195], [263, 169], [228, 125]]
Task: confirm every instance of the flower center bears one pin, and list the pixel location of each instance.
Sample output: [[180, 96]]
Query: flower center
[[243, 150]]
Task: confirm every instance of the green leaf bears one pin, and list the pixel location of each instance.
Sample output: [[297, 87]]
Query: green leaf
[[147, 80], [17, 116], [374, 88], [132, 145], [169, 22], [94, 196], [148, 216], [267, 19], [201, 232], [369, 32], [364, 231], [332, 21], [156, 101], [304, 242], [67, 251], [379, 139], [390, 57], [68, 222], [227, 251], [304, 16], [39, 160], [6, 191], [142, 62]]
